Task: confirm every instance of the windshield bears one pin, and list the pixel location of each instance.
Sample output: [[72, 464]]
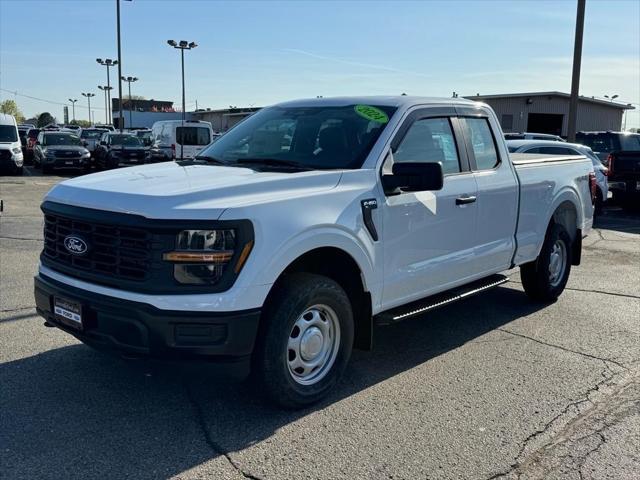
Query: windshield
[[92, 133], [311, 137], [630, 143], [8, 133], [61, 139], [125, 140]]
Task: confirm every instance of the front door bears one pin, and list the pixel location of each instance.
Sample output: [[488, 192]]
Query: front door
[[428, 237]]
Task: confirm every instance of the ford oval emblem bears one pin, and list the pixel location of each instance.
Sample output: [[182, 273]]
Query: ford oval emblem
[[75, 245]]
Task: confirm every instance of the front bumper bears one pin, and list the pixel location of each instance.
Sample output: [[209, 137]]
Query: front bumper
[[138, 329], [61, 162]]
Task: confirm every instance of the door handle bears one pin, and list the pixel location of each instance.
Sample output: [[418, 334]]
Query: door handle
[[465, 200]]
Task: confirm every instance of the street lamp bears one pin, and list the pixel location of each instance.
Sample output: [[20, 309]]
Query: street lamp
[[612, 97], [107, 62], [73, 106], [182, 46], [89, 95], [107, 91], [129, 80]]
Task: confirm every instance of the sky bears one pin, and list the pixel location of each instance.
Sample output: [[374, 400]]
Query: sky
[[259, 53]]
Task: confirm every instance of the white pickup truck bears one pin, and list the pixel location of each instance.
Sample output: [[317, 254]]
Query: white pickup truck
[[281, 244]]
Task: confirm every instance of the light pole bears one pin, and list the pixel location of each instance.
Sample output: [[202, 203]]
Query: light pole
[[107, 62], [129, 80], [89, 95], [612, 97], [106, 90], [182, 46], [73, 107]]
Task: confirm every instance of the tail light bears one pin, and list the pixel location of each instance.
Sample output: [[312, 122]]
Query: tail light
[[593, 186], [610, 164], [173, 151]]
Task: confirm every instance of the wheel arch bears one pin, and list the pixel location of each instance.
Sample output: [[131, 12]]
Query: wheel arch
[[339, 265]]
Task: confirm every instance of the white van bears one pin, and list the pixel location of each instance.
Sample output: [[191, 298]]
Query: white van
[[11, 157], [172, 140]]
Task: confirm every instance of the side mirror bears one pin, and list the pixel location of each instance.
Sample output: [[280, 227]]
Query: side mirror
[[414, 177]]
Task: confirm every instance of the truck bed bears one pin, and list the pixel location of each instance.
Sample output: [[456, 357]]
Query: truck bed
[[547, 181]]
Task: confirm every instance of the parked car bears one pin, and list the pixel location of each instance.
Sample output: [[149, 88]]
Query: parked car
[[26, 125], [22, 133], [620, 151], [116, 149], [146, 136], [546, 147], [111, 128], [172, 140], [70, 126], [11, 157], [533, 136], [91, 138], [282, 256], [56, 149], [32, 137]]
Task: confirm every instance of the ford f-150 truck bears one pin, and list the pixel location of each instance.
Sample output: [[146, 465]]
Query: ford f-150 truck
[[282, 244]]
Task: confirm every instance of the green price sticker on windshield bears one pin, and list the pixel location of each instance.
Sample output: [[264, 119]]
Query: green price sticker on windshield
[[371, 113]]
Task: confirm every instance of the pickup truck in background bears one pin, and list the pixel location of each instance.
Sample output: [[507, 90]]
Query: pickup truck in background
[[279, 246], [620, 152]]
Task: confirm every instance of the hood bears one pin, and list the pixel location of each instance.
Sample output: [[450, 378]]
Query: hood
[[171, 191]]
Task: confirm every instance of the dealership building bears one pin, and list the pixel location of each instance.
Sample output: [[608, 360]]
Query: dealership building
[[548, 112]]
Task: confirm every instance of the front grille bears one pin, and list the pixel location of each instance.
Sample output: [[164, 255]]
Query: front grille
[[113, 251], [67, 153]]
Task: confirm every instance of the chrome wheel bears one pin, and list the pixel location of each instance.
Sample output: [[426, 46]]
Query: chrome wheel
[[313, 344], [557, 263]]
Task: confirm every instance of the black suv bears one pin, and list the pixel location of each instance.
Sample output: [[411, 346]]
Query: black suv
[[60, 150], [620, 152], [120, 148]]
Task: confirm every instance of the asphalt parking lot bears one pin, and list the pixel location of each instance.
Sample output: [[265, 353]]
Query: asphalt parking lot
[[491, 387]]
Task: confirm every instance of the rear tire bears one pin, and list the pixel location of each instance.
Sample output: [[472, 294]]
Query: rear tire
[[545, 278], [305, 340]]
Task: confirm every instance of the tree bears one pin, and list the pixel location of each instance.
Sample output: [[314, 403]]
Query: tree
[[44, 119], [11, 107], [81, 123]]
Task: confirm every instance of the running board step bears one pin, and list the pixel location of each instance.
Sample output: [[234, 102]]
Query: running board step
[[430, 303]]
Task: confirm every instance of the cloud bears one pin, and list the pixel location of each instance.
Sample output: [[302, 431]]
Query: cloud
[[356, 64]]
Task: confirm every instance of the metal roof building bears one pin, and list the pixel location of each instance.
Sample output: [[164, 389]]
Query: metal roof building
[[548, 112]]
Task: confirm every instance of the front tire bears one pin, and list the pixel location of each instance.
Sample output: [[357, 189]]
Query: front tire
[[545, 278], [305, 340]]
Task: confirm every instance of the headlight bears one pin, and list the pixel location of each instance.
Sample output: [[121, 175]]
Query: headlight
[[202, 256], [49, 154], [16, 150], [86, 154]]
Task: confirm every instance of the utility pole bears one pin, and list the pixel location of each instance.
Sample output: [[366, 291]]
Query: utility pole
[[89, 95], [73, 106], [129, 80], [121, 120], [182, 46], [575, 76]]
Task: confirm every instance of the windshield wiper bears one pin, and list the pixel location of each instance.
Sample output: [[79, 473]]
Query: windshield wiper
[[274, 162], [209, 159]]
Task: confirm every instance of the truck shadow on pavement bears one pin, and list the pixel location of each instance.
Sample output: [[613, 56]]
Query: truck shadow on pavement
[[72, 412]]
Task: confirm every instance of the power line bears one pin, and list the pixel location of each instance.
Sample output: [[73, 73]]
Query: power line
[[53, 102]]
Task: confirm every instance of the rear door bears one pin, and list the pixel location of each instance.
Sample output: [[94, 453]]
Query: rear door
[[428, 237], [497, 204], [190, 139]]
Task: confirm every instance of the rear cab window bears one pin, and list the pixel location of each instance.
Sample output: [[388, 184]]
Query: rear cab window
[[483, 145], [193, 136]]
